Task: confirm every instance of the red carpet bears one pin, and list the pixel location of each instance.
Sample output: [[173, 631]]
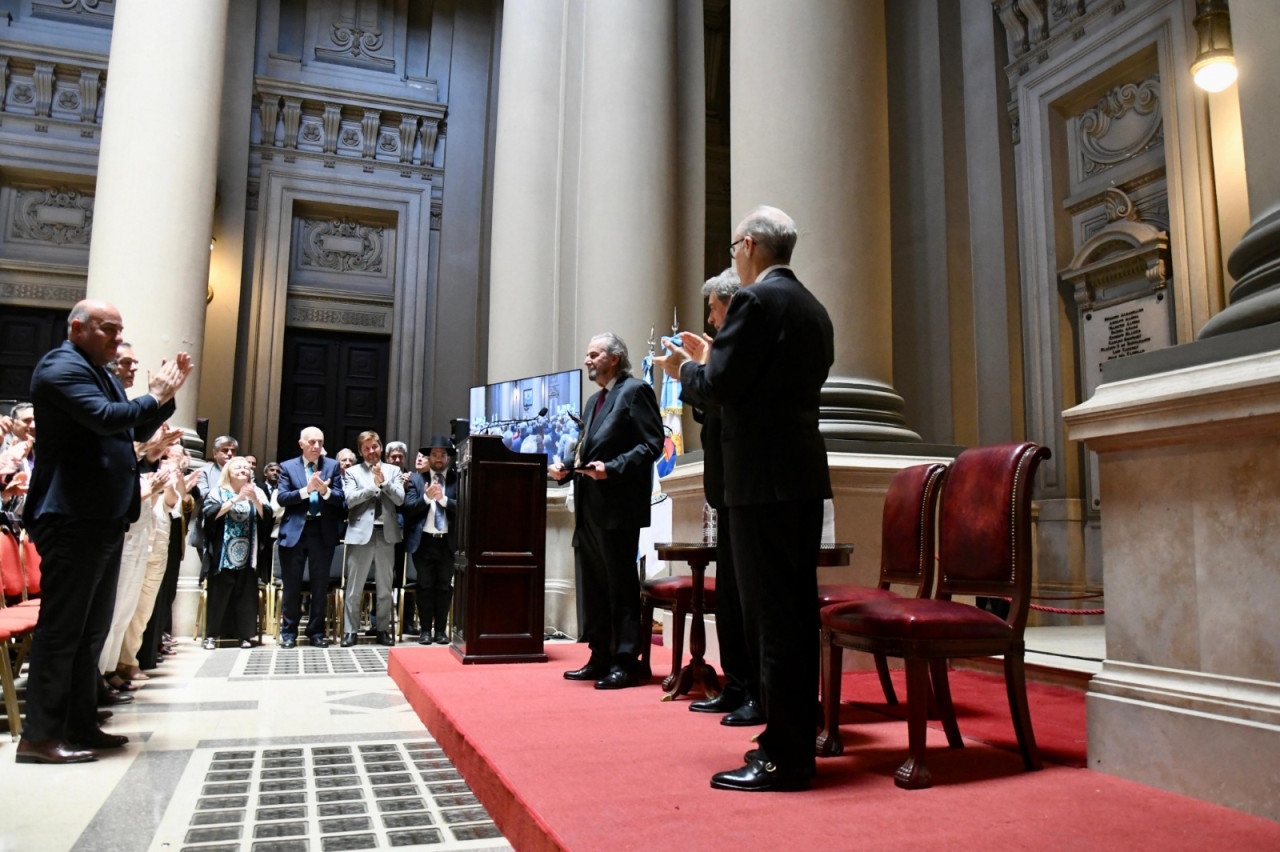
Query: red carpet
[[561, 765]]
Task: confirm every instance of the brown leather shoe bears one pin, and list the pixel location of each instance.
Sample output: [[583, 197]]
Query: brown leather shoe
[[97, 739], [50, 751]]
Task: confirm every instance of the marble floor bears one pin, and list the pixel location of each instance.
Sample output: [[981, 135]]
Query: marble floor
[[261, 750]]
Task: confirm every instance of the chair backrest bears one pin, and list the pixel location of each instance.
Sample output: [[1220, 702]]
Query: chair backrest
[[11, 566], [31, 565], [984, 530], [907, 527]]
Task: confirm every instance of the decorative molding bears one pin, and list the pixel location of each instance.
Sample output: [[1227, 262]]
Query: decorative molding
[[43, 294], [57, 215], [42, 79], [95, 13], [356, 38], [338, 316], [342, 245], [1124, 123], [90, 87]]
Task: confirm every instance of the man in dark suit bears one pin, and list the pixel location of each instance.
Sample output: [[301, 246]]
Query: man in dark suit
[[740, 699], [314, 510], [430, 514], [766, 370], [622, 437], [83, 496]]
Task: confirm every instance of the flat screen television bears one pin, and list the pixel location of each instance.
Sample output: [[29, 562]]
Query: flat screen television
[[513, 409]]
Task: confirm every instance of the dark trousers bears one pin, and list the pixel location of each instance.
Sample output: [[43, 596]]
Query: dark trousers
[[434, 562], [609, 586], [80, 562], [234, 593], [741, 666], [313, 552], [775, 548]]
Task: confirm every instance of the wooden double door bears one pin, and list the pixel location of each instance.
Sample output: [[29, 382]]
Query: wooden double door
[[334, 380], [26, 334]]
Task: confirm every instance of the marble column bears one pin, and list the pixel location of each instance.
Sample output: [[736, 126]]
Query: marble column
[[627, 242], [1255, 261], [524, 270], [809, 110], [156, 176]]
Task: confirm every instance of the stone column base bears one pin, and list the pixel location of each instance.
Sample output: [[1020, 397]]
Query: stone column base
[[1225, 732]]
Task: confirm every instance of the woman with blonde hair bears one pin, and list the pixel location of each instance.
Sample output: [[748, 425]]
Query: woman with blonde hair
[[236, 515]]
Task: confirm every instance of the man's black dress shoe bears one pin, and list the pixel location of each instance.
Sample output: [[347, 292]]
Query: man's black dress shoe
[[441, 639], [318, 642], [424, 639], [288, 642], [97, 739], [617, 679], [760, 776], [114, 699], [748, 714], [725, 702], [51, 751], [349, 640], [591, 671], [384, 638]]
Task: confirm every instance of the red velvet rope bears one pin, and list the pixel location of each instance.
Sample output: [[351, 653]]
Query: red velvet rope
[[1063, 611]]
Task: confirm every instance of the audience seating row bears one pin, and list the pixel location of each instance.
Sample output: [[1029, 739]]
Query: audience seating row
[[19, 611]]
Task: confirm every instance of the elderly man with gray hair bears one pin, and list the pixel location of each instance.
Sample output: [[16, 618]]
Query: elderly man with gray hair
[[766, 371], [740, 700], [613, 478]]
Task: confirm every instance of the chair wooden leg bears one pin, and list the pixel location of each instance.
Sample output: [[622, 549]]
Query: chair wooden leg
[[886, 685], [678, 612], [1015, 680], [200, 614], [646, 634], [946, 710], [829, 743], [11, 709], [914, 774]]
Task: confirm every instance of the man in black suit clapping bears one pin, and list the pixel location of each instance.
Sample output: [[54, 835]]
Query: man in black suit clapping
[[83, 496], [621, 439], [766, 370]]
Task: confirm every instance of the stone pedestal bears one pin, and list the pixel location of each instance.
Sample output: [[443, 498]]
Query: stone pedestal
[[1189, 696]]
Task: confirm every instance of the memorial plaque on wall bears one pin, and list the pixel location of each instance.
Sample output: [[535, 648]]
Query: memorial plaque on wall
[[1132, 327]]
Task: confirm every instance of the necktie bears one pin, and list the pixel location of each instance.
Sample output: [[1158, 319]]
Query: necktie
[[377, 501], [313, 507], [435, 480]]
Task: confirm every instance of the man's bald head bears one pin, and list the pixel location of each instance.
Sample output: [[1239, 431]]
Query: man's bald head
[[96, 328]]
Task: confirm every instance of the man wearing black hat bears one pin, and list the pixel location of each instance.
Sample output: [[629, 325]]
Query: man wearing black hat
[[430, 510]]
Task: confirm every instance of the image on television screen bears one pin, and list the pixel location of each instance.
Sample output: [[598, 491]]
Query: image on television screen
[[532, 415]]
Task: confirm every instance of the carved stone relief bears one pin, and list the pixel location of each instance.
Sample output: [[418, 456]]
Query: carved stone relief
[[95, 13], [358, 35], [1124, 123], [57, 215], [313, 315], [342, 245]]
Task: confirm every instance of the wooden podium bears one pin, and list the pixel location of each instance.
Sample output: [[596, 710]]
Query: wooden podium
[[501, 561]]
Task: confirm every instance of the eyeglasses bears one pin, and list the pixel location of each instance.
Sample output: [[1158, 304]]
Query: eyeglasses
[[733, 247]]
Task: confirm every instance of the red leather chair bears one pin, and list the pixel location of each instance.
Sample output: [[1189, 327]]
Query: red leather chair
[[11, 578], [674, 594], [906, 556], [31, 566], [984, 548]]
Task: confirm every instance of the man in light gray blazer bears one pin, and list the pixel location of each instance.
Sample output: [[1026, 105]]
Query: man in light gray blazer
[[373, 490]]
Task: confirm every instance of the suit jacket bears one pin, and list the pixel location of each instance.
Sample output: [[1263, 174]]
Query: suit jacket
[[708, 414], [416, 505], [294, 504], [766, 371], [86, 466], [627, 437], [357, 485]]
